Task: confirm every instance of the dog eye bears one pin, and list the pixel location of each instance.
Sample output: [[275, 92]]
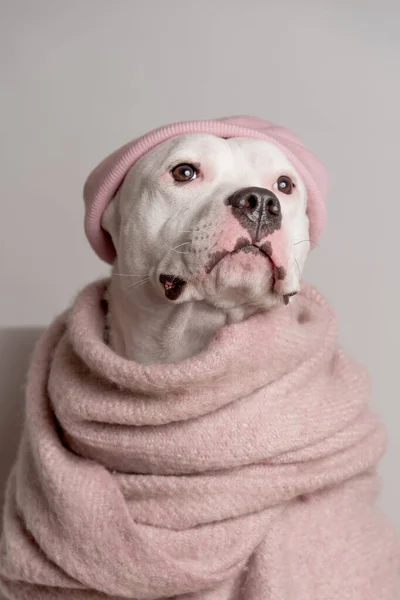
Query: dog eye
[[184, 172], [284, 184]]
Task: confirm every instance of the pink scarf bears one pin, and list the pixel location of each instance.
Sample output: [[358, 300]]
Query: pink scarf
[[244, 473]]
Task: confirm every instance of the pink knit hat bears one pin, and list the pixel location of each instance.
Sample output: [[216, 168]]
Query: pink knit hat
[[105, 179]]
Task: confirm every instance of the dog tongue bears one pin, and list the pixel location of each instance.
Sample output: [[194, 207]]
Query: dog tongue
[[173, 286]]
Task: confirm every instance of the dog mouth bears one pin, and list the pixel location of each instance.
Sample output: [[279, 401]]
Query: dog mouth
[[242, 245], [175, 285]]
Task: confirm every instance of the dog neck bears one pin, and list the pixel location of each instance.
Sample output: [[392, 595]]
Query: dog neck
[[150, 331]]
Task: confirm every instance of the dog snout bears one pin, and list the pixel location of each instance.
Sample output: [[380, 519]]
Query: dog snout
[[256, 204]]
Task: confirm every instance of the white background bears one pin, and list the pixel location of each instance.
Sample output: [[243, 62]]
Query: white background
[[81, 77]]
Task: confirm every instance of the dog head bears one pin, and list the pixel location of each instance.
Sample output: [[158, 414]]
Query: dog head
[[202, 218]]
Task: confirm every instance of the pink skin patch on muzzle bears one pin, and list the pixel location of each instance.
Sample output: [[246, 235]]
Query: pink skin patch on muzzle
[[234, 236], [237, 241]]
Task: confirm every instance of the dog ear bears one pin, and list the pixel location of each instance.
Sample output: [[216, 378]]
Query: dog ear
[[110, 221]]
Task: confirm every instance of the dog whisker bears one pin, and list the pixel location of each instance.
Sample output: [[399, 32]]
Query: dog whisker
[[137, 284], [178, 251], [310, 241], [127, 275], [183, 244]]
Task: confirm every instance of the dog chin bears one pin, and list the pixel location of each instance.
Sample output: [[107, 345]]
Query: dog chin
[[241, 279]]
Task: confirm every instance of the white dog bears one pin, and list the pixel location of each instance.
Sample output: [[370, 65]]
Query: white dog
[[248, 470], [207, 231]]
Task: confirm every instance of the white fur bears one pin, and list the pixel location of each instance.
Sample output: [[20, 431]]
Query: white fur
[[158, 226]]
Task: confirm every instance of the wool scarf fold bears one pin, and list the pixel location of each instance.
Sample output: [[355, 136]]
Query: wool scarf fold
[[246, 472]]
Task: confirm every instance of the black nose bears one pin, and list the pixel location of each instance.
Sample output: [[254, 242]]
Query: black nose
[[257, 209], [256, 203]]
